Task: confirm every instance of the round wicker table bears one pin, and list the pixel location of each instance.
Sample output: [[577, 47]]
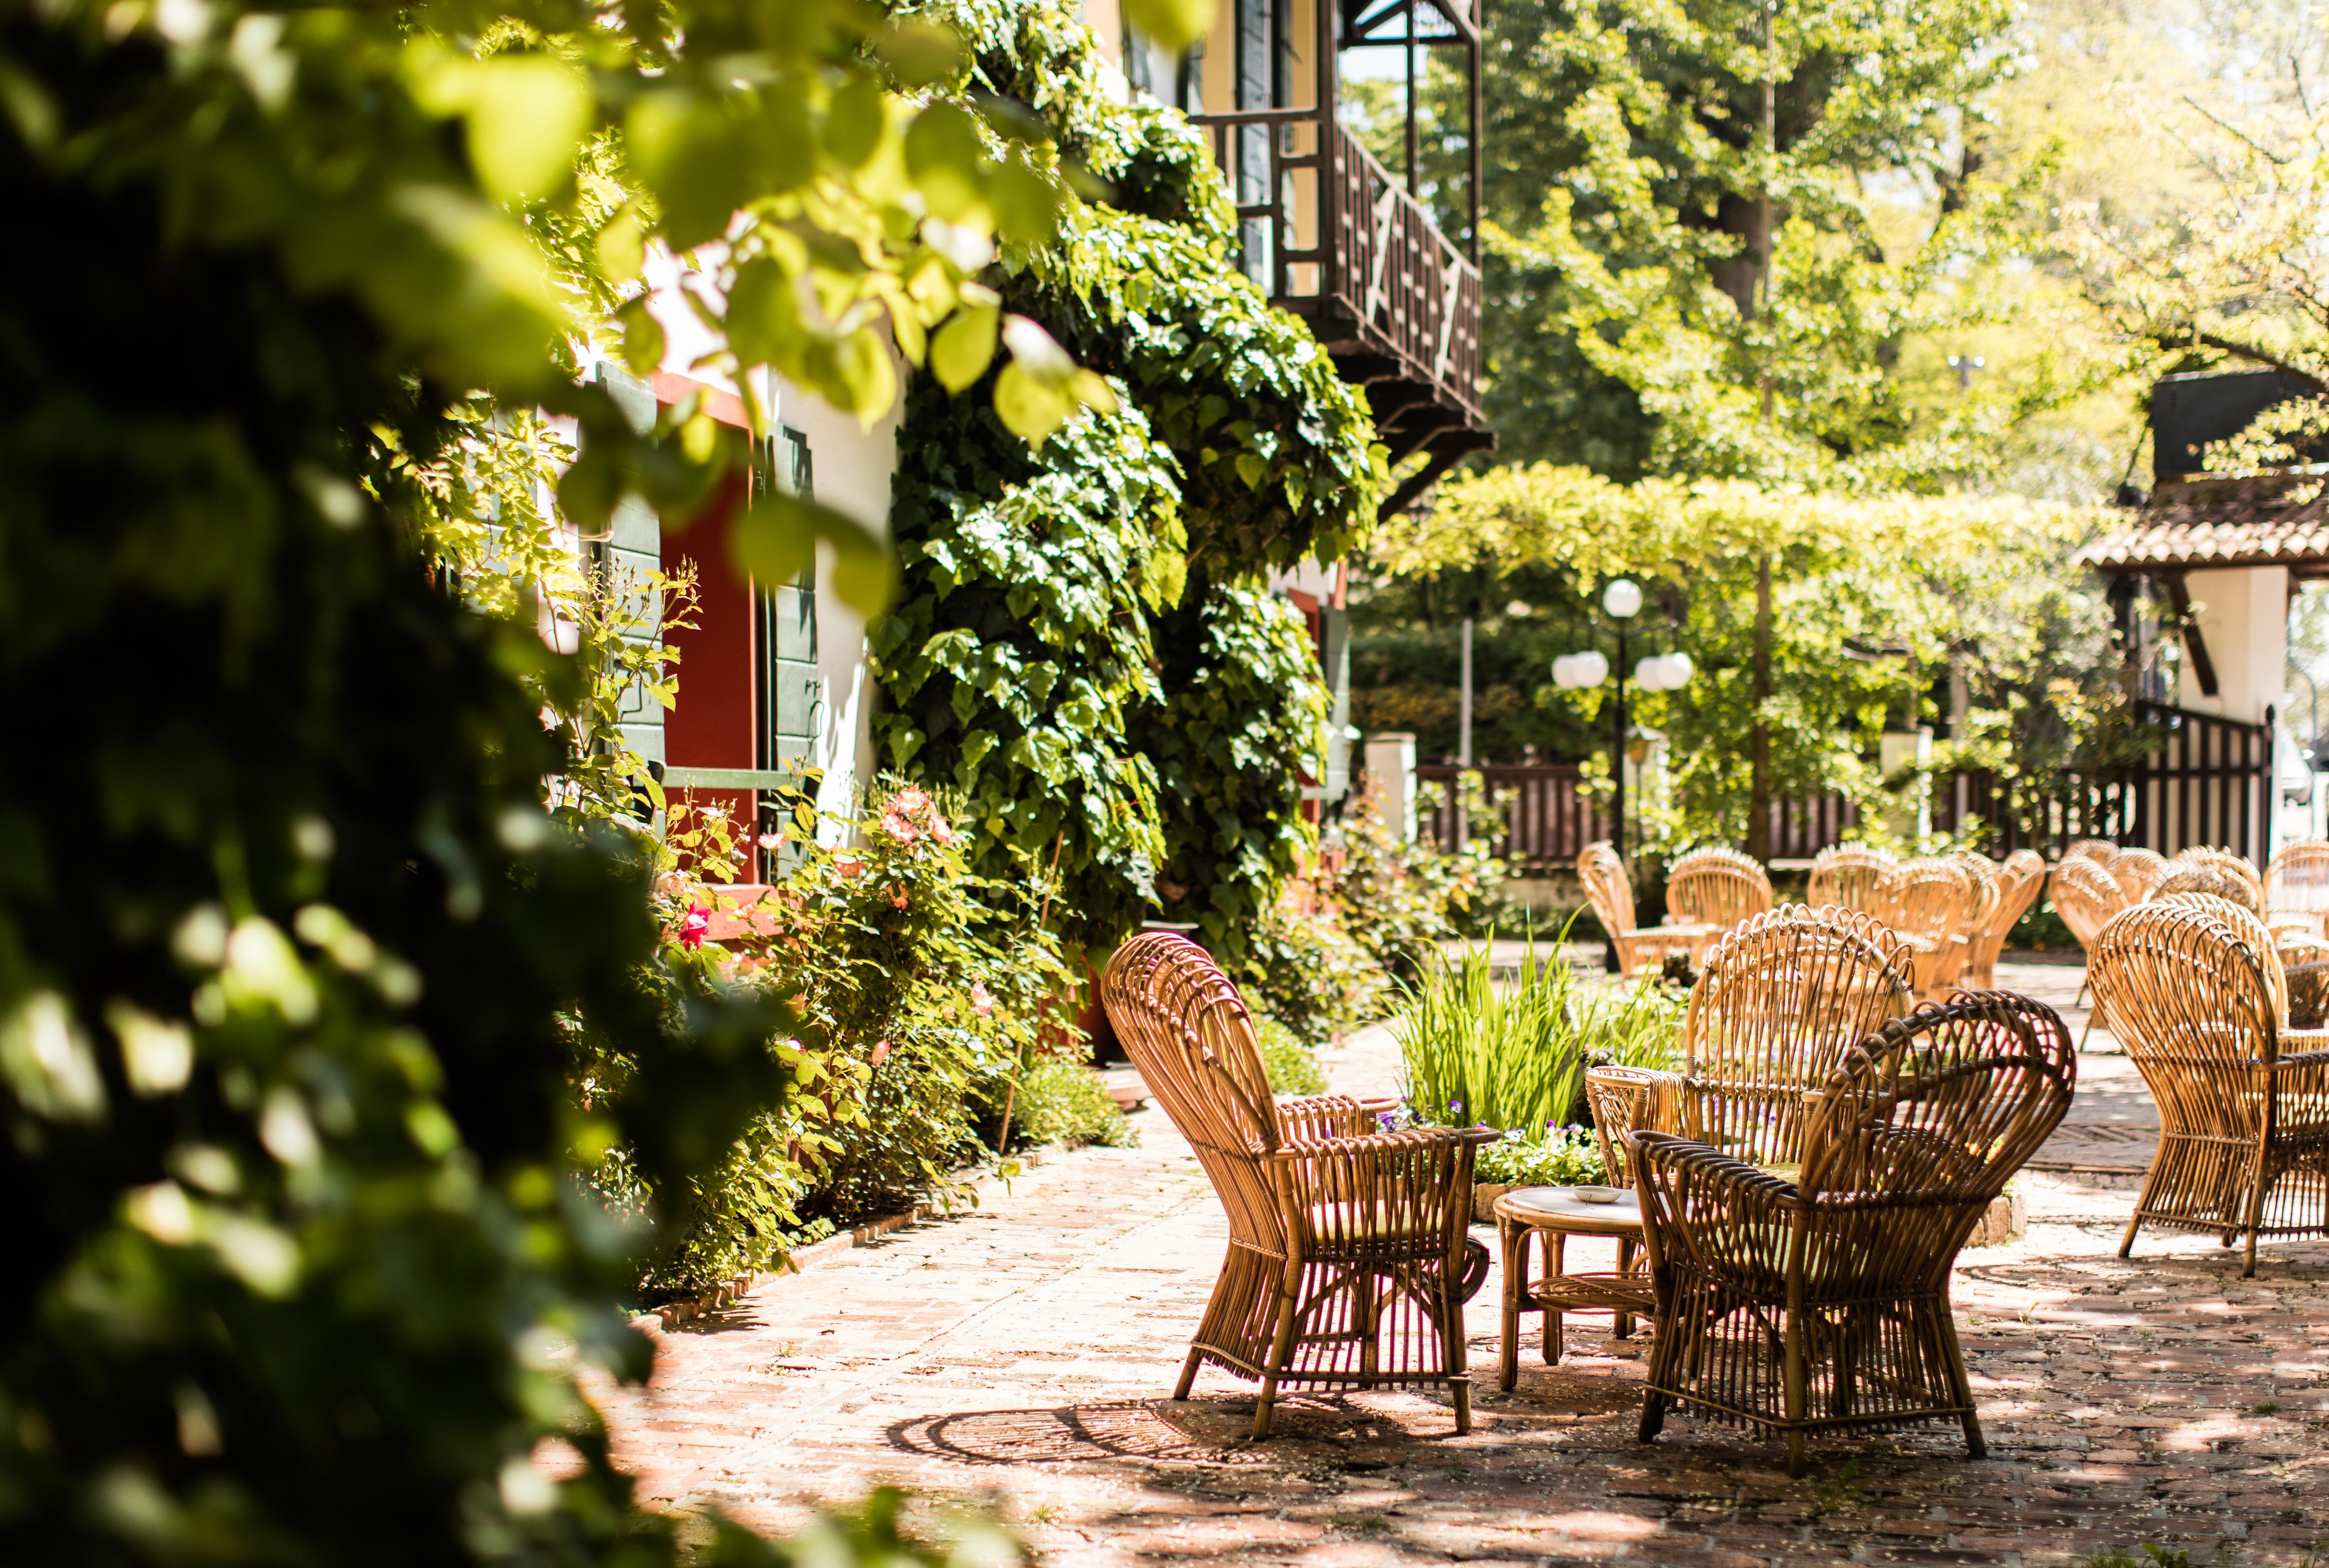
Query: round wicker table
[[1553, 1214]]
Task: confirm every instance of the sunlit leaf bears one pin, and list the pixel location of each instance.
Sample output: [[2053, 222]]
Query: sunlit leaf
[[964, 347], [527, 116], [1174, 24]]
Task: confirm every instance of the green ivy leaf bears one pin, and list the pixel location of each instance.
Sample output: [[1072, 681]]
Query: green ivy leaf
[[1174, 23]]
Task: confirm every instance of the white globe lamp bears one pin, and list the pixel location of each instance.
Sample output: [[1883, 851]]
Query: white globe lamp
[[1622, 598]]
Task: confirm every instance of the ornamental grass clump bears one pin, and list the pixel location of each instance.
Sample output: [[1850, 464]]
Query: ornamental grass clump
[[1512, 1055]]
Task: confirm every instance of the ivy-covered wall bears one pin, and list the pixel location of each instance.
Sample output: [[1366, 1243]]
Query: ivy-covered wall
[[1086, 644]]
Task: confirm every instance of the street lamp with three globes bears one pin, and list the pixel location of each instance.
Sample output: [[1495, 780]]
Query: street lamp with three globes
[[1621, 601]]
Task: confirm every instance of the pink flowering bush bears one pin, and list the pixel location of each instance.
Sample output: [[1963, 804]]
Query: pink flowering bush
[[918, 993]]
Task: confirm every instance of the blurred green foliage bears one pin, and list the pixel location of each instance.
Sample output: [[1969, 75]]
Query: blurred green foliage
[[294, 965]]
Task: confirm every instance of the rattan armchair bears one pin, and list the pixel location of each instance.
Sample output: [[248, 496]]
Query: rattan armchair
[[1780, 1002], [1346, 1242], [1846, 876], [2238, 867], [2103, 853], [1822, 1303], [1611, 893], [2085, 896], [1716, 887], [2138, 871], [2297, 882], [2210, 877], [2243, 1130], [1926, 902], [2020, 880]]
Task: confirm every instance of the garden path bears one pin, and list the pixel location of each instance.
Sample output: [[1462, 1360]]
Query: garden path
[[1021, 1353]]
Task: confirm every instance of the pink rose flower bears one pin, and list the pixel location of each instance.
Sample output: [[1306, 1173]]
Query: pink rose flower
[[695, 927], [981, 1000]]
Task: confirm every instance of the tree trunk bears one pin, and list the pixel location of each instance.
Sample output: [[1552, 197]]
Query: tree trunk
[[1758, 802]]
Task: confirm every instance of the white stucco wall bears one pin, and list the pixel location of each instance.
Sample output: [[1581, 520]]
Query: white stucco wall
[[2242, 614]]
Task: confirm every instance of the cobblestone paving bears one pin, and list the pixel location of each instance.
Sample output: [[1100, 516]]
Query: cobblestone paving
[[1021, 1353]]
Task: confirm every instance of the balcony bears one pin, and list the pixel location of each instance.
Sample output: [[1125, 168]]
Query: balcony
[[1334, 236]]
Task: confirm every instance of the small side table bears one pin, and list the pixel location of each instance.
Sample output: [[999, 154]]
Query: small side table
[[1553, 1214]]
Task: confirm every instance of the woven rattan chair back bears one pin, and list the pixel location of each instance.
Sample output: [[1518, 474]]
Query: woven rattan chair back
[[1719, 887], [2297, 880], [1623, 1099], [1926, 900], [2101, 851], [2244, 1131], [2238, 867], [2085, 896], [2209, 878], [1780, 1002], [2020, 880], [1821, 1304], [1602, 873], [1846, 876], [2136, 871], [1347, 1241], [1987, 891], [2250, 928]]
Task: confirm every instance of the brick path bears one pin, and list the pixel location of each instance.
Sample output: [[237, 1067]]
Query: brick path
[[1020, 1355]]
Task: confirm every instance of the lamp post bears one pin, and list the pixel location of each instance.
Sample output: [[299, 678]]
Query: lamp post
[[1621, 601]]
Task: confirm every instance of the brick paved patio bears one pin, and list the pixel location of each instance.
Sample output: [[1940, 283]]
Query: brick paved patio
[[1021, 1353]]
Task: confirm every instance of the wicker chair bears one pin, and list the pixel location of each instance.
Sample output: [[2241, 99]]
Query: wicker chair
[[2019, 882], [2136, 871], [1780, 1001], [1846, 876], [2236, 866], [2085, 896], [2208, 877], [1347, 1243], [1926, 902], [2297, 882], [2249, 927], [1611, 894], [2101, 851], [1822, 1303], [2244, 1130], [1716, 887], [1981, 875]]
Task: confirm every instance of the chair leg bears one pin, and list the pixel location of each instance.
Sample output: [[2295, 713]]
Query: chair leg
[[1281, 1346], [1796, 1391], [1514, 1240], [2255, 1217], [2143, 1198], [1621, 1323], [1555, 1245], [1654, 1415], [1188, 1373], [1455, 1357], [1960, 1381]]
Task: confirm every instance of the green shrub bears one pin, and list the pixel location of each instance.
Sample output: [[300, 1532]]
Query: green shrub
[[1546, 1157], [1292, 1066], [1065, 1103], [1310, 974], [2041, 930], [1402, 900]]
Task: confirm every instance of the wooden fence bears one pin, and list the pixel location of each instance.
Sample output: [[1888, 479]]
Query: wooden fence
[[2206, 781]]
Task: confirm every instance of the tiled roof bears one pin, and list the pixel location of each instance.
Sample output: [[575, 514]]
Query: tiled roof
[[2258, 520]]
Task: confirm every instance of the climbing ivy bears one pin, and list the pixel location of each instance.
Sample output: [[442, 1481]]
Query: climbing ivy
[[1086, 645]]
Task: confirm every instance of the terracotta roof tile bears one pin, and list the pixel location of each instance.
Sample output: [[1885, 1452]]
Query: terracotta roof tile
[[2275, 519]]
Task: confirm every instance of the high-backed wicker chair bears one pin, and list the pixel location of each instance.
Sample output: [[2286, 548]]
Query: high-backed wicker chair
[[1716, 887], [2020, 880], [1780, 1001], [1346, 1242], [1981, 873], [2136, 870], [2249, 927], [1822, 1303], [1846, 876], [2243, 1130], [1611, 893], [2297, 882], [2085, 896], [1926, 902], [2101, 851], [2232, 865], [2209, 877]]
